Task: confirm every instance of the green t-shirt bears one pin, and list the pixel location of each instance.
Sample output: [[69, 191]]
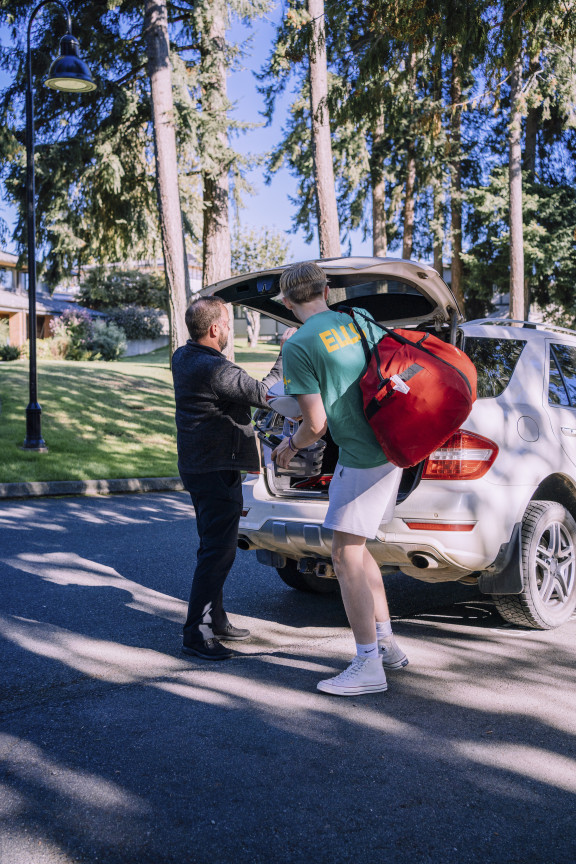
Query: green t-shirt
[[326, 356]]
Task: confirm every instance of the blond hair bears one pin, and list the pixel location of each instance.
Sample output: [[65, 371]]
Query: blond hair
[[301, 283]]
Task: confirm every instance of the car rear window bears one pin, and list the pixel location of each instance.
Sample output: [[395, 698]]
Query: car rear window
[[562, 384], [495, 361]]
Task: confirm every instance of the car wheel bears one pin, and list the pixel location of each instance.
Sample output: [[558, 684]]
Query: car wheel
[[309, 582], [548, 597]]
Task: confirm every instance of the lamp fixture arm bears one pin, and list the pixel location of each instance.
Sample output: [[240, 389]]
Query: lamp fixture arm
[[32, 17]]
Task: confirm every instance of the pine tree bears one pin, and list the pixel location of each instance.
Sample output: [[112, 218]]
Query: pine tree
[[328, 227], [95, 179], [163, 121]]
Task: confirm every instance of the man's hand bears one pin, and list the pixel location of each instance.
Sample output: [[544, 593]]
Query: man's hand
[[311, 429], [283, 454], [286, 335]]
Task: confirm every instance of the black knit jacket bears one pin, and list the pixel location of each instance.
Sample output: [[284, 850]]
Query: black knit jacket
[[213, 418]]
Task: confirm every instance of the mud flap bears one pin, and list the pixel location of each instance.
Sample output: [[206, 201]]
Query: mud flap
[[504, 576]]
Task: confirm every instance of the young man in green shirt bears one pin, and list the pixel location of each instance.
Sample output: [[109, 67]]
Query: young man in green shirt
[[323, 363]]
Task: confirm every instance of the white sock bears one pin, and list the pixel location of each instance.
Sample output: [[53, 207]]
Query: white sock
[[367, 651], [383, 630]]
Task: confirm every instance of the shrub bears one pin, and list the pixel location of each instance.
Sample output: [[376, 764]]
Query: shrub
[[76, 336], [74, 328], [9, 352], [108, 340], [47, 349], [137, 322], [108, 289]]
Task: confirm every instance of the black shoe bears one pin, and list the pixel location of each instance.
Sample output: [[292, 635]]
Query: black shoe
[[208, 649], [229, 632]]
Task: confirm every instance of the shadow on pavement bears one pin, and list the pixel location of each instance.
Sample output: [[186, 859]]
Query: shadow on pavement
[[116, 748]]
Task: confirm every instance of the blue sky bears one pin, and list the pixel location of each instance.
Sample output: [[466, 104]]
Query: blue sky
[[270, 205]]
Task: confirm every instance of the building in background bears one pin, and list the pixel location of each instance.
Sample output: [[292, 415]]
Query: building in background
[[14, 302]]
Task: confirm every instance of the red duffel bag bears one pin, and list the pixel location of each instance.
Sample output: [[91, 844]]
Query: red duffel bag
[[417, 391]]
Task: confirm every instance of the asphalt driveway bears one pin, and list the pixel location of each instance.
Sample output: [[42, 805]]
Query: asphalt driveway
[[116, 748]]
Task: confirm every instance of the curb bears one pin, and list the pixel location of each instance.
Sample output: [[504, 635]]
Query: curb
[[90, 487]]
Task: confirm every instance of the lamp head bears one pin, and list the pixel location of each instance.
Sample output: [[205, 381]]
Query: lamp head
[[68, 72]]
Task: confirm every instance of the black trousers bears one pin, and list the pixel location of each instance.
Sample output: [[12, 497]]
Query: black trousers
[[217, 500]]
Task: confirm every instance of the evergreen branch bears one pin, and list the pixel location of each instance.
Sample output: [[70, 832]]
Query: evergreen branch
[[180, 48], [178, 18], [129, 76], [509, 17]]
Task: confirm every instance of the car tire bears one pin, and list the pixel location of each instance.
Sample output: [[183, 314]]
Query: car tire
[[308, 582], [548, 597]]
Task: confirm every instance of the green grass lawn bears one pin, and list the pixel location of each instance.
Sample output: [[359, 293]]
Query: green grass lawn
[[99, 420]]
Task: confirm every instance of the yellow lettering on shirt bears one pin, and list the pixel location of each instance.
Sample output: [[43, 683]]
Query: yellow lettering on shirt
[[356, 335], [329, 341], [344, 339], [334, 340]]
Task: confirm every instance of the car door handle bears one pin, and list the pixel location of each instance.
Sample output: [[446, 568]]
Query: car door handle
[[566, 430]]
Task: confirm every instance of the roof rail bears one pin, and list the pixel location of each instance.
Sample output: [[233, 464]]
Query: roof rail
[[529, 325]]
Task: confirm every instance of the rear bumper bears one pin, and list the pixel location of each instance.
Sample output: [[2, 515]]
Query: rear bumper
[[293, 528]]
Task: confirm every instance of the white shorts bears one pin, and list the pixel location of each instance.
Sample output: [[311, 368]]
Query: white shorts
[[361, 499]]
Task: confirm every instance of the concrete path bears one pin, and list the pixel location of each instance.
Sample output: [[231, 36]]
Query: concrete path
[[116, 748]]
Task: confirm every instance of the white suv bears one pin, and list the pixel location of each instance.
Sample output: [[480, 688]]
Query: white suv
[[494, 506]]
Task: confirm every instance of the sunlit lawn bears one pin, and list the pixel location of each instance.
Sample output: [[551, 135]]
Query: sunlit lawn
[[99, 420]]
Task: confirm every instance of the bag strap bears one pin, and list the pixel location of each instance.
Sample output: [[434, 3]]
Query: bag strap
[[353, 312], [402, 339], [349, 311]]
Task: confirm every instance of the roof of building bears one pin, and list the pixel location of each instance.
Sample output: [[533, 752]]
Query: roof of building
[[10, 301], [10, 261]]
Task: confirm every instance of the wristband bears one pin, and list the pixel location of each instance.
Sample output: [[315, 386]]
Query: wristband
[[292, 446]]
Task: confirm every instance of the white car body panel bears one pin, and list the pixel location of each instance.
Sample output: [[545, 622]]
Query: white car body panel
[[531, 445]]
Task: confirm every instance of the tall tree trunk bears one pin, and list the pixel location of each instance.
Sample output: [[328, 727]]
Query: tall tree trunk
[[456, 180], [378, 183], [437, 182], [160, 74], [408, 235], [410, 184], [216, 254], [252, 327], [529, 160], [328, 226], [517, 306], [532, 124], [438, 240]]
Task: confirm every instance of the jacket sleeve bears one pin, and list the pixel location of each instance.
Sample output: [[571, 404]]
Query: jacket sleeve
[[233, 384]]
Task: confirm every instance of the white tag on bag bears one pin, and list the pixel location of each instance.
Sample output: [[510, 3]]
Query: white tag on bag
[[399, 384]]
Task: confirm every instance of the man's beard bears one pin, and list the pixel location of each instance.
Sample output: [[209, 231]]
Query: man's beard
[[222, 341]]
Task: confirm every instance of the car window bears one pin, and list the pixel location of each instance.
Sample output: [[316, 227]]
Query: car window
[[557, 394], [563, 358], [495, 361]]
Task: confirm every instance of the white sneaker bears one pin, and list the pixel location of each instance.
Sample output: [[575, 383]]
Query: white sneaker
[[392, 656], [363, 675]]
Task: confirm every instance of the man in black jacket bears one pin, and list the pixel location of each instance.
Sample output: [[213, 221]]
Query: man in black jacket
[[215, 444]]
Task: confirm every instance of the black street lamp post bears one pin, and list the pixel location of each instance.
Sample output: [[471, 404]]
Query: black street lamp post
[[70, 74]]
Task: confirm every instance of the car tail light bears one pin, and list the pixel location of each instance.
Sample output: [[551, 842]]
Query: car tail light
[[465, 456]]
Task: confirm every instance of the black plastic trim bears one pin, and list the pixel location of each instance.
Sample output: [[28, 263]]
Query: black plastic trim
[[504, 576]]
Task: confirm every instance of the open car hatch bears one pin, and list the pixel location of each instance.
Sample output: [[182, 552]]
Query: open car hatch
[[393, 291]]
